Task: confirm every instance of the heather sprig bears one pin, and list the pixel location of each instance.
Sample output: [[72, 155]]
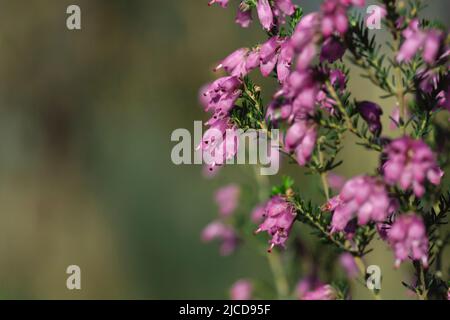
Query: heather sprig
[[403, 202]]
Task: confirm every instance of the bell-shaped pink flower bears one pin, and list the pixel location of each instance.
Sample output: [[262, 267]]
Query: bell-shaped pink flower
[[227, 199], [310, 288], [222, 3], [410, 164], [225, 234], [241, 290], [244, 17], [347, 262], [265, 14], [301, 139], [364, 198], [408, 238], [279, 218]]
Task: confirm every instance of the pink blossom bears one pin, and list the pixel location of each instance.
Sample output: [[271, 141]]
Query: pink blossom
[[276, 52], [301, 139], [279, 218], [395, 117], [335, 181], [408, 238], [222, 3], [348, 263], [227, 199], [258, 213], [300, 89], [283, 8], [265, 14], [310, 289], [240, 63], [225, 234], [221, 95], [241, 290], [335, 16], [244, 17], [417, 39], [410, 163], [364, 198]]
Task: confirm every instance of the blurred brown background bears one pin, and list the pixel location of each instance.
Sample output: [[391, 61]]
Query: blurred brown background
[[85, 170]]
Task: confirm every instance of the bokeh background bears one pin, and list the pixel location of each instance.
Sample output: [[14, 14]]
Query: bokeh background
[[85, 170]]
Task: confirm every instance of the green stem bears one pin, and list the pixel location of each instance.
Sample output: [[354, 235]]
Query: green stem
[[323, 174], [278, 274], [422, 291]]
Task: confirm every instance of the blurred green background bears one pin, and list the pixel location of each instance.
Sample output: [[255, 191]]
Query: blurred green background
[[85, 170]]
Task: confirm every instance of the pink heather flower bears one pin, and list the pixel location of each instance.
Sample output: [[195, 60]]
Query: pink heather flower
[[278, 110], [265, 14], [305, 32], [283, 8], [276, 52], [241, 290], [310, 288], [410, 163], [222, 3], [240, 63], [258, 213], [371, 113], [227, 199], [234, 64], [408, 238], [335, 181], [338, 80], [244, 17], [300, 89], [225, 234], [332, 50], [395, 118], [279, 218], [417, 39], [363, 198], [301, 139], [428, 80], [432, 45], [221, 95], [347, 262], [335, 16]]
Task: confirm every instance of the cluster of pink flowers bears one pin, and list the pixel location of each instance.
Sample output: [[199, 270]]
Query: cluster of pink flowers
[[416, 39], [364, 198], [227, 236], [410, 163], [221, 141], [312, 289], [268, 16], [279, 216], [307, 92], [408, 238], [227, 199]]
